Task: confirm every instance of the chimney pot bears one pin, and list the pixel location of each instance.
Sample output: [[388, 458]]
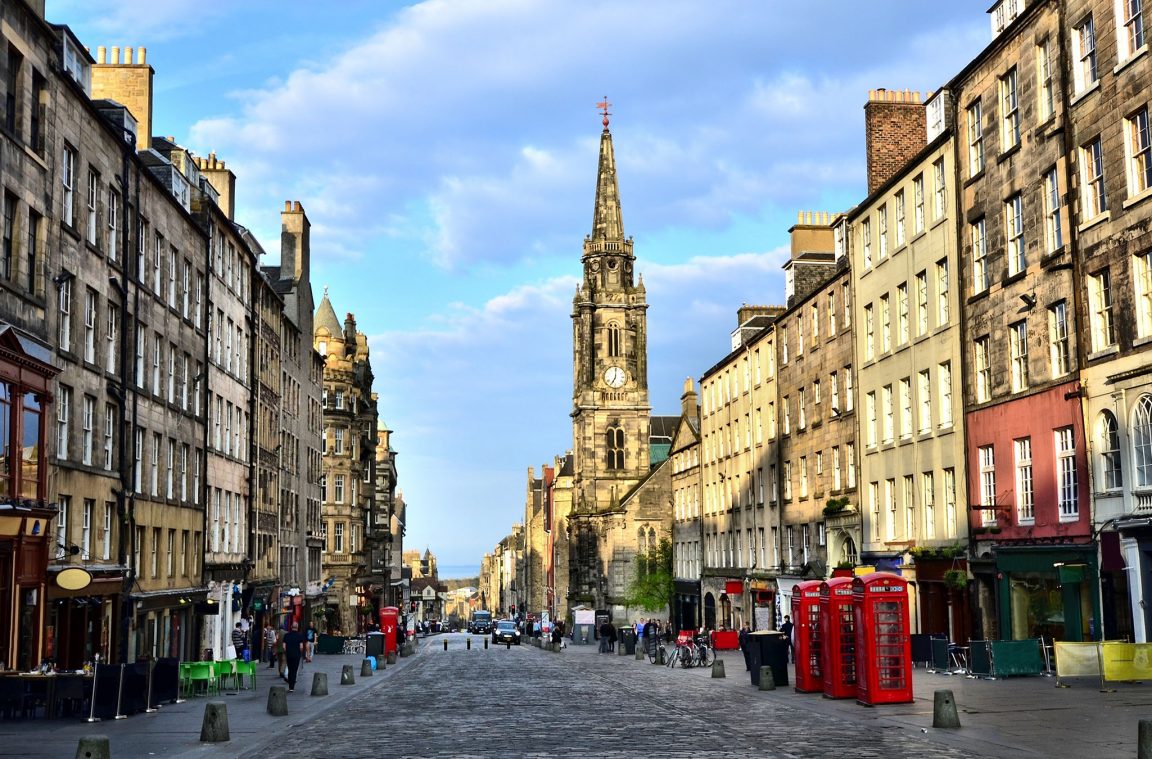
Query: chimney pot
[[287, 205], [115, 55], [141, 53], [101, 54], [299, 209], [128, 56]]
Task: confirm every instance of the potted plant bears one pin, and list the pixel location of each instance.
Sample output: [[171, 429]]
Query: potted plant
[[956, 578]]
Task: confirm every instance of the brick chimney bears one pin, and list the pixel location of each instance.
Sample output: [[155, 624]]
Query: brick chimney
[[894, 131], [295, 244], [128, 83], [689, 403]]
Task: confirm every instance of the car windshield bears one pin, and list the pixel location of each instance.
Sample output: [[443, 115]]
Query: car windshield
[[506, 626]]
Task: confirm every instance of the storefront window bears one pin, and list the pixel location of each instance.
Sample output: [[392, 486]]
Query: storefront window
[[5, 435], [30, 460], [1038, 609]]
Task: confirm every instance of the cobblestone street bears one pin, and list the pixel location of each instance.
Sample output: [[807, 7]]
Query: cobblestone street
[[527, 702]]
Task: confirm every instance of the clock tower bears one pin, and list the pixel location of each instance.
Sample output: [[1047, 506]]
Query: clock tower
[[610, 407]]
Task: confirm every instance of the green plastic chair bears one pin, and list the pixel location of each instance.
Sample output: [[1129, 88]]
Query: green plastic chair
[[242, 669], [203, 672]]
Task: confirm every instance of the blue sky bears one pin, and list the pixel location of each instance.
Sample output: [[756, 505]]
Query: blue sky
[[445, 152]]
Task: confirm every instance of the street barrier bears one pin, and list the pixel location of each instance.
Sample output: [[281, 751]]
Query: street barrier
[[1126, 662], [1017, 657]]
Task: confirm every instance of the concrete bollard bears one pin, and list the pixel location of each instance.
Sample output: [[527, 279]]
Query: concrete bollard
[[278, 701], [214, 728], [620, 650], [382, 660], [1143, 742], [718, 669], [319, 683], [365, 668], [96, 747], [346, 676], [508, 645], [392, 657], [944, 714], [767, 680], [468, 643]]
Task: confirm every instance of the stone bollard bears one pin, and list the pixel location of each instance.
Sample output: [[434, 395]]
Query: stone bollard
[[1143, 741], [944, 713], [346, 676], [468, 643], [767, 680], [382, 660], [392, 657], [718, 669], [96, 747], [620, 650], [365, 668], [319, 683], [214, 728], [508, 645], [278, 701]]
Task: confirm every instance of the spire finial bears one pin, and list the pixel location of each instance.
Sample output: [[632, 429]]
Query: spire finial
[[604, 105], [325, 291]]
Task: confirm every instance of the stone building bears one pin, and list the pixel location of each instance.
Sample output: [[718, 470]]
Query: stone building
[[621, 498], [687, 525], [815, 381], [902, 241], [1106, 139], [349, 455], [536, 538], [380, 533], [1026, 448]]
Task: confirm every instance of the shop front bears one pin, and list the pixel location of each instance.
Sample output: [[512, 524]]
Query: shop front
[[1049, 591], [686, 605], [942, 598], [82, 622], [169, 624]]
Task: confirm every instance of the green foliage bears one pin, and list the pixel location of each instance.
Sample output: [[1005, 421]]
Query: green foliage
[[651, 589], [836, 505], [956, 578]]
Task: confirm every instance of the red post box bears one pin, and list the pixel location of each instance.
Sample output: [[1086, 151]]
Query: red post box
[[806, 634], [838, 628], [883, 643], [389, 622]]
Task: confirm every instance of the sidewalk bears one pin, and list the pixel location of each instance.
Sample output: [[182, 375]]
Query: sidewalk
[[174, 730], [1011, 717]]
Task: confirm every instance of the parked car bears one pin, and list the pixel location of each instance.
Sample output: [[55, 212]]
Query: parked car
[[506, 631]]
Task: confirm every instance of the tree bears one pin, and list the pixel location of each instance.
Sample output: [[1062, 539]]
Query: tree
[[651, 589]]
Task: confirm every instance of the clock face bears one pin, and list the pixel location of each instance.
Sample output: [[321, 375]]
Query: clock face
[[614, 376]]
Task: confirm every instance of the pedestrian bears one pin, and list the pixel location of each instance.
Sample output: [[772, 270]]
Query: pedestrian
[[787, 628], [239, 641], [611, 639], [270, 644], [744, 649], [310, 635], [294, 645], [280, 661], [604, 633]]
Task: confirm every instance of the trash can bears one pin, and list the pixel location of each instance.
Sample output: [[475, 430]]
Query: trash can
[[626, 640], [374, 645], [768, 648]]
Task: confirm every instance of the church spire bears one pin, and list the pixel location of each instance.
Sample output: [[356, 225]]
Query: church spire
[[607, 223]]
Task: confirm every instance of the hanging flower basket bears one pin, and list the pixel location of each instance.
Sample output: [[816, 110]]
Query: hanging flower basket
[[956, 578]]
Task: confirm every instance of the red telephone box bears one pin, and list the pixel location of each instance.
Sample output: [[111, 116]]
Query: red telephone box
[[389, 622], [806, 634], [838, 627], [882, 639]]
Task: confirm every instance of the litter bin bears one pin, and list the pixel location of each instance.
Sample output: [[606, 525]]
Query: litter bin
[[374, 645], [768, 648], [626, 639]]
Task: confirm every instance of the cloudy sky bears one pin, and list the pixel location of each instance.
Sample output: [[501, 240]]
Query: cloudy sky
[[445, 152]]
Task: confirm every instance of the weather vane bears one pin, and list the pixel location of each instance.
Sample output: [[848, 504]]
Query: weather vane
[[604, 105]]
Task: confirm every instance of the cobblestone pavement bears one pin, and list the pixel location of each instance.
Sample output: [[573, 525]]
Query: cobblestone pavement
[[528, 702]]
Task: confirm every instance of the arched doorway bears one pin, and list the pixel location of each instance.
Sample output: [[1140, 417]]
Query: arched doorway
[[725, 612], [709, 611]]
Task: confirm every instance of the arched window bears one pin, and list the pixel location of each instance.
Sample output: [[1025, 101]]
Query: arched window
[[1108, 439], [642, 540], [615, 448], [1142, 441], [614, 345]]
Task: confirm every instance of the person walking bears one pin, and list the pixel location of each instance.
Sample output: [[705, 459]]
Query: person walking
[[294, 646], [611, 638], [270, 644], [310, 635], [239, 641], [279, 653], [787, 628], [604, 633]]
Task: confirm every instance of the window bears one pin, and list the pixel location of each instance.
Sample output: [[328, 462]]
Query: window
[[1100, 311], [1142, 442], [1092, 199], [882, 232], [987, 486], [944, 374], [885, 324], [109, 432], [815, 325], [870, 411], [1025, 511], [1083, 55], [1108, 435], [906, 407], [87, 422], [869, 333], [615, 440], [64, 330], [834, 392], [111, 335], [940, 202], [1009, 111], [90, 326], [846, 301], [874, 507], [106, 538], [918, 202], [12, 84], [1014, 233], [786, 407], [803, 476], [338, 488], [941, 292], [613, 340], [922, 303], [1129, 28], [1045, 91], [835, 467], [112, 218], [979, 257], [157, 263], [902, 313], [1059, 351], [338, 438], [68, 181], [866, 241], [93, 217], [928, 500], [848, 388], [889, 421], [338, 537], [170, 470], [1018, 348], [851, 465], [890, 508], [1067, 495], [899, 218], [975, 140], [983, 371], [1142, 285], [172, 266], [138, 458], [157, 362], [924, 392], [787, 480], [154, 478], [62, 527], [1053, 229], [1139, 152], [63, 416]]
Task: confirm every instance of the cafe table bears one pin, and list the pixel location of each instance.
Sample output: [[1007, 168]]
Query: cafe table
[[48, 689]]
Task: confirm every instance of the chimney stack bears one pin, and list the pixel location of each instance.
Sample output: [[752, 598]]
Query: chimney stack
[[129, 84], [894, 132], [295, 248], [689, 405], [222, 180]]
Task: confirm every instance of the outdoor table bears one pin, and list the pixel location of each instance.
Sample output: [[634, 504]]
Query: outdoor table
[[44, 686]]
